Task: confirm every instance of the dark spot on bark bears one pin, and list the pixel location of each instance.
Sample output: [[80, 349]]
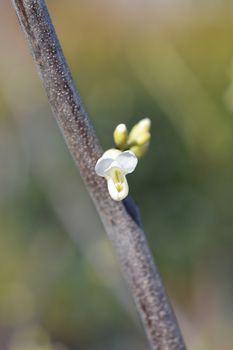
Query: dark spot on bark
[[20, 4], [37, 53], [147, 316], [113, 222]]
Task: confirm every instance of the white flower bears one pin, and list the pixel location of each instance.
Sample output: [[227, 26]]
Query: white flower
[[114, 165]]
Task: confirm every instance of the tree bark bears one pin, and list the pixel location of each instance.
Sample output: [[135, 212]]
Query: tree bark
[[120, 220]]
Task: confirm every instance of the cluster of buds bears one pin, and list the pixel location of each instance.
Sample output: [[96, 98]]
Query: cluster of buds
[[137, 140], [115, 164]]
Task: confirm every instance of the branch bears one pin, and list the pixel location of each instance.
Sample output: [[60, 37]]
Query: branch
[[121, 220]]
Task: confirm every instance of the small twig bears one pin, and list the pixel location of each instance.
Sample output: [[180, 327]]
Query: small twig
[[120, 220]]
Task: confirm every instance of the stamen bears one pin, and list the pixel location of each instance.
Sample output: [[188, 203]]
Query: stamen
[[118, 179]]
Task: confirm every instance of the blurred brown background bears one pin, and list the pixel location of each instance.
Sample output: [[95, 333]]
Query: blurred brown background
[[60, 284]]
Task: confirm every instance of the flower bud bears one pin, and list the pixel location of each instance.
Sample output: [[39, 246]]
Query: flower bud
[[120, 135], [143, 138], [144, 124], [140, 151], [140, 132]]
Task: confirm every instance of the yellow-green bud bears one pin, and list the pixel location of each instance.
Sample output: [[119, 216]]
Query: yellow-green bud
[[144, 124], [140, 151], [137, 132], [143, 138], [120, 135]]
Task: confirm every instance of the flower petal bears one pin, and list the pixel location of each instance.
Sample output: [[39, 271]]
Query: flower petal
[[102, 165], [116, 194], [128, 161], [111, 153], [112, 166]]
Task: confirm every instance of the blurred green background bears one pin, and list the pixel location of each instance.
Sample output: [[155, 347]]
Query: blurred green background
[[60, 284]]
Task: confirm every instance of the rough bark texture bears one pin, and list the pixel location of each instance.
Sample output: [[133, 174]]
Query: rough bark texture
[[119, 219]]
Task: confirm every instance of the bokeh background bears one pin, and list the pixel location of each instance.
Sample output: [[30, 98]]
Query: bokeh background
[[60, 284]]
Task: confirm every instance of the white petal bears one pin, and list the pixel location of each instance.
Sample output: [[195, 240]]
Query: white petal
[[128, 161], [111, 153], [102, 165], [114, 165], [114, 193]]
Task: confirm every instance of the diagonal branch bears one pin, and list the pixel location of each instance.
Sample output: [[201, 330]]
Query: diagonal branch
[[120, 219]]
